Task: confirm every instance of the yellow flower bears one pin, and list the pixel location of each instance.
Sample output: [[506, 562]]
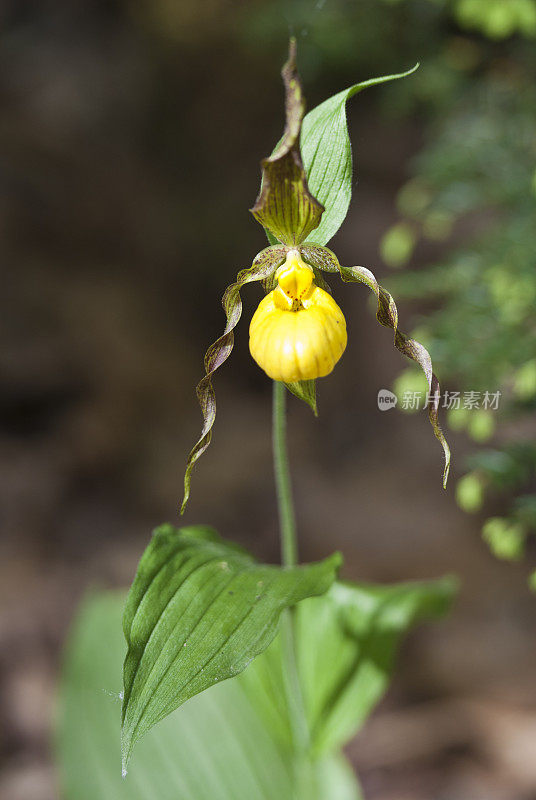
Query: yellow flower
[[298, 331]]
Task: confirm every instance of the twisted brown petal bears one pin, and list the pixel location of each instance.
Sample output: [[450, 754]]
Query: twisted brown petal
[[264, 264], [387, 315], [285, 207]]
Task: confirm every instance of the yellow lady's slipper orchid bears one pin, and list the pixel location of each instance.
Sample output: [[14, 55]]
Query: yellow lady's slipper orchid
[[298, 331]]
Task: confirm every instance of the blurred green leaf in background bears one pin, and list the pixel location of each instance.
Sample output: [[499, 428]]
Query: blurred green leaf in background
[[215, 748], [233, 741], [471, 209]]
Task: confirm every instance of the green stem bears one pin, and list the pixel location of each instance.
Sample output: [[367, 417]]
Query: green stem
[[289, 557], [287, 519]]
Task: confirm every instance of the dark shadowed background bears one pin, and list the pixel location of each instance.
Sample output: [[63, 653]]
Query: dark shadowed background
[[130, 137]]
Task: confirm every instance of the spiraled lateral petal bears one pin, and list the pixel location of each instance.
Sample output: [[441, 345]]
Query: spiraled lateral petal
[[263, 266], [387, 315]]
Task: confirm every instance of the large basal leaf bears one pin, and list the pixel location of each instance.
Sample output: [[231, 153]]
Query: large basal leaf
[[347, 642], [215, 747], [199, 610], [232, 742], [327, 156]]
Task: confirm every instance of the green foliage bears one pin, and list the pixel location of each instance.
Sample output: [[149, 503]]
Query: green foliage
[[199, 610], [407, 384], [525, 381], [470, 493], [481, 424], [216, 747], [498, 19], [476, 172], [327, 156], [347, 642], [482, 162], [507, 468], [506, 539], [458, 418], [524, 509], [397, 245], [234, 741]]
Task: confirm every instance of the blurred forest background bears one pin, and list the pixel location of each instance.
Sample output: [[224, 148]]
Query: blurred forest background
[[131, 134]]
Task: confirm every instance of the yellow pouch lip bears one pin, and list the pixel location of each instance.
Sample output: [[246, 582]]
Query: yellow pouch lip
[[294, 278], [297, 344]]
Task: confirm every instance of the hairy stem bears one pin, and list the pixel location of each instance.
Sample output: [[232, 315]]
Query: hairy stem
[[289, 558]]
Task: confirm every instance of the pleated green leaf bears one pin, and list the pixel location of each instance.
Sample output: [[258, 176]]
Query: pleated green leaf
[[387, 315], [327, 156], [216, 747], [264, 265], [346, 645], [199, 610], [285, 207], [360, 627]]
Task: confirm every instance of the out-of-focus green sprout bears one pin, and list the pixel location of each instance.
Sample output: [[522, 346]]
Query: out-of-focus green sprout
[[525, 380], [397, 245], [458, 418], [505, 538], [473, 189], [470, 492], [481, 424], [498, 19], [410, 388]]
